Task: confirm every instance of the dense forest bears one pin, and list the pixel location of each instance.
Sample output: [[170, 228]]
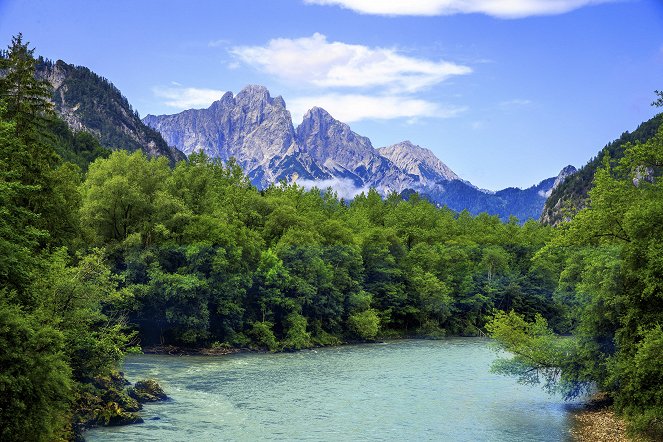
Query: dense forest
[[104, 252]]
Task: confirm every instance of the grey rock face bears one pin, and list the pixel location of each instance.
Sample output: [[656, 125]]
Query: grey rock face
[[563, 174], [252, 127], [419, 162], [342, 153]]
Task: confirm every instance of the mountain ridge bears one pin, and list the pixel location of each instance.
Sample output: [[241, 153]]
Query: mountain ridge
[[257, 130]]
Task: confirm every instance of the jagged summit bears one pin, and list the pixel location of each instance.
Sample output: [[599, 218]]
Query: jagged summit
[[252, 127], [254, 93]]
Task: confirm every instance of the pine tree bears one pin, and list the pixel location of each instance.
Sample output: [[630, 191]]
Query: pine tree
[[27, 97]]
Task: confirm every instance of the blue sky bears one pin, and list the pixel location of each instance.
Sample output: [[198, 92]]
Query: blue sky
[[504, 92]]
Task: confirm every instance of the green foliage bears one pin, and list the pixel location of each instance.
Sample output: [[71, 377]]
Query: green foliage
[[364, 325], [207, 257], [641, 395], [296, 337], [26, 96], [35, 382], [611, 275], [59, 329], [75, 298], [572, 194], [263, 336], [538, 355]]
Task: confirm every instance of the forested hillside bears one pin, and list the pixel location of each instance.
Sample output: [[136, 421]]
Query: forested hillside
[[90, 103], [208, 258], [571, 195]]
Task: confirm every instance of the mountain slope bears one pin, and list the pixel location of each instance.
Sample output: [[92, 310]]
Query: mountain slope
[[342, 153], [89, 102], [570, 196], [419, 162]]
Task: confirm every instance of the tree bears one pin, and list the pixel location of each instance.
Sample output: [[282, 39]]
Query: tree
[[296, 337], [27, 97], [365, 324], [611, 263], [35, 383], [119, 194], [538, 355]]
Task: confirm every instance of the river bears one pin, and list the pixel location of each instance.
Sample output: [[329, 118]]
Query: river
[[404, 390]]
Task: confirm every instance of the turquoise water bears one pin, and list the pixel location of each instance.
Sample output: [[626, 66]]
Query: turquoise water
[[404, 390]]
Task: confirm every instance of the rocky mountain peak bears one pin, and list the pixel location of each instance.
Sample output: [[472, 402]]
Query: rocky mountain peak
[[563, 174], [418, 161], [226, 100], [333, 144], [254, 94], [317, 114], [319, 122]]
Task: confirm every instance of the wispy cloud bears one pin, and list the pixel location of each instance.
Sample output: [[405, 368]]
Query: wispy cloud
[[355, 107], [180, 97], [515, 103], [320, 63], [218, 43], [495, 8], [344, 187]]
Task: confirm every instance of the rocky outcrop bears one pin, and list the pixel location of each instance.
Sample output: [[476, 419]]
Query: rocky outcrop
[[91, 103], [147, 390], [419, 162]]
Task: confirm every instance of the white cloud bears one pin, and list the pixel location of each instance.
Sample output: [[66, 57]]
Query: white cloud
[[354, 107], [181, 97], [495, 8], [344, 187], [320, 63]]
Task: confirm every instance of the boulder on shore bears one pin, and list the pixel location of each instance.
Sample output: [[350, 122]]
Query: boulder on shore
[[147, 390]]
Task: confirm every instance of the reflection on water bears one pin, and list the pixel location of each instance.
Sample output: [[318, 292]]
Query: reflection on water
[[404, 390]]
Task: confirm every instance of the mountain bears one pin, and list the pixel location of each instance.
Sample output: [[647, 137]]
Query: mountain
[[91, 103], [419, 162], [342, 153], [253, 127], [524, 204], [257, 130], [570, 195]]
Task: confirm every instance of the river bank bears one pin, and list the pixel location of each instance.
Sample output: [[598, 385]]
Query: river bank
[[598, 422]]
